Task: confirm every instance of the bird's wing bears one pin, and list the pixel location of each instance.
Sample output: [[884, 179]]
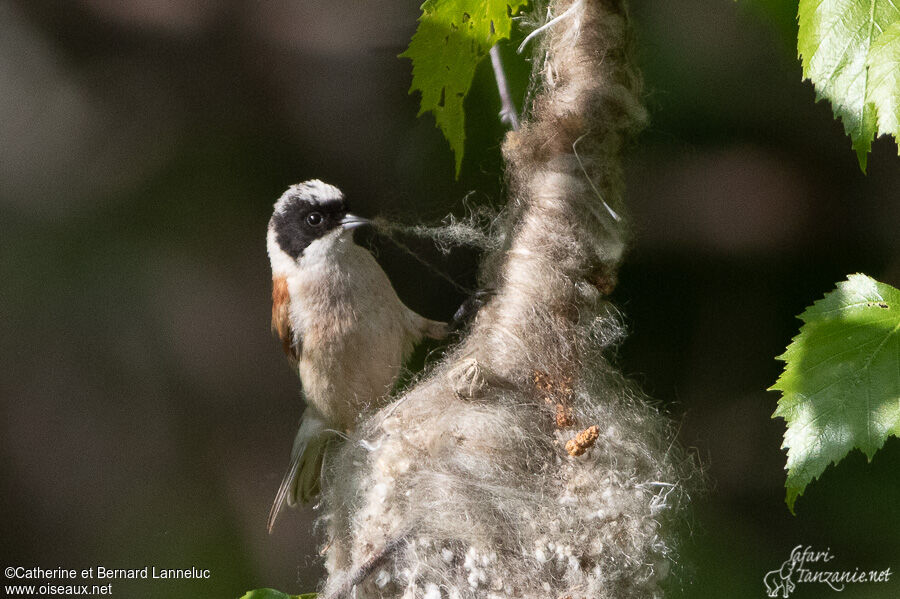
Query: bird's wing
[[301, 481], [281, 319]]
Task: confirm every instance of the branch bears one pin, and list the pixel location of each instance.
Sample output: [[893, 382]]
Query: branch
[[508, 114]]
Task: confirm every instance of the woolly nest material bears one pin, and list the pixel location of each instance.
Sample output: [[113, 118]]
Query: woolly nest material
[[525, 464]]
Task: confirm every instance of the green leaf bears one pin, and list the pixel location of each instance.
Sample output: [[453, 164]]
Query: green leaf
[[884, 79], [273, 594], [452, 38], [841, 381], [850, 52]]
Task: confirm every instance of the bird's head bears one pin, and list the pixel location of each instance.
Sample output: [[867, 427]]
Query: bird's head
[[310, 219]]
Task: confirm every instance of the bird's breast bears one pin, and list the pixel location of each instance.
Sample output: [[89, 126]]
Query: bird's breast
[[354, 336]]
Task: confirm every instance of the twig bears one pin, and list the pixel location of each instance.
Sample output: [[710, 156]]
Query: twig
[[508, 112]]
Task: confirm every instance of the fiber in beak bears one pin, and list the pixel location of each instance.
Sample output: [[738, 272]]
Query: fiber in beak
[[351, 221]]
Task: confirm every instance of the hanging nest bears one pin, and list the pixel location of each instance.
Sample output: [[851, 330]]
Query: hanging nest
[[525, 464]]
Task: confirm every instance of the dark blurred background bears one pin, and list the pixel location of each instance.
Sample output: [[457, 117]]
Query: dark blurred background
[[147, 411]]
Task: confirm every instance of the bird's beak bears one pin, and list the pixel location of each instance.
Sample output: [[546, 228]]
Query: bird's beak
[[351, 221]]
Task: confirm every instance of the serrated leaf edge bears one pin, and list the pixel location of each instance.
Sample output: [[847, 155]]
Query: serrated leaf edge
[[793, 492]]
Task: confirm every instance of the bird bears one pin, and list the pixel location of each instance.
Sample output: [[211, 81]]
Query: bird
[[343, 327]]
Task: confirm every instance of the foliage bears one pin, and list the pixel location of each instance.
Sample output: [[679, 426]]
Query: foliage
[[273, 594], [851, 52], [451, 39], [841, 382]]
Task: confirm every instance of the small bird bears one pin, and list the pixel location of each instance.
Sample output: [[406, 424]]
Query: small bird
[[340, 321]]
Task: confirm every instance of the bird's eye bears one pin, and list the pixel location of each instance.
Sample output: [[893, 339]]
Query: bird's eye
[[314, 219]]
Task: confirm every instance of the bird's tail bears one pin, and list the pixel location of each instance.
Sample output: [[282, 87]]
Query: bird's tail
[[301, 481]]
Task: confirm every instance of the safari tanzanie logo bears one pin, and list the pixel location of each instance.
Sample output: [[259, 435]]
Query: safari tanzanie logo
[[807, 566]]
